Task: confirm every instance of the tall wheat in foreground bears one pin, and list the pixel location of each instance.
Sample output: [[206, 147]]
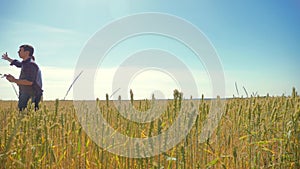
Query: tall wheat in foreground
[[256, 132]]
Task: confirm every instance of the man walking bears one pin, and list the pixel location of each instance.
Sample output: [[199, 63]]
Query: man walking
[[30, 79]]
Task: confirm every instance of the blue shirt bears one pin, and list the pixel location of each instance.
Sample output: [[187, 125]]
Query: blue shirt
[[31, 72]]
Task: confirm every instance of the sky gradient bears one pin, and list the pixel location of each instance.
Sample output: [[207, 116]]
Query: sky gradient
[[257, 42]]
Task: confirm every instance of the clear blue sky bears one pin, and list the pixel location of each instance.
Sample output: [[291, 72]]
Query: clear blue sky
[[257, 41]]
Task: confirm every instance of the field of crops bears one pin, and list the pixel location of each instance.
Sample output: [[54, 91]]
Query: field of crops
[[256, 132]]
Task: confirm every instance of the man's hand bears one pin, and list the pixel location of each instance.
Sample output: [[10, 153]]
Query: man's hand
[[5, 57], [10, 78]]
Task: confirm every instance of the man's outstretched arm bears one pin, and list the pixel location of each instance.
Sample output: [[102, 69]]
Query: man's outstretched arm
[[11, 61], [5, 57]]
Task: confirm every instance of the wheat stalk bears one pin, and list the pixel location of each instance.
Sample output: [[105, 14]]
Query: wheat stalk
[[72, 84]]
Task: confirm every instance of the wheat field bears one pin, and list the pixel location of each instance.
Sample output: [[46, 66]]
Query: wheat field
[[254, 132]]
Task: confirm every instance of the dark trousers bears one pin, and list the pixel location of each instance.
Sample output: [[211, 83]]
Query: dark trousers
[[24, 98]]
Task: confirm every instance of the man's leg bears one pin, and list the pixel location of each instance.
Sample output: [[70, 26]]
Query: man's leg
[[23, 100], [36, 100]]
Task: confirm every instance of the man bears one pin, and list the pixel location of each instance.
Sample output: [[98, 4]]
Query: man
[[30, 81]]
